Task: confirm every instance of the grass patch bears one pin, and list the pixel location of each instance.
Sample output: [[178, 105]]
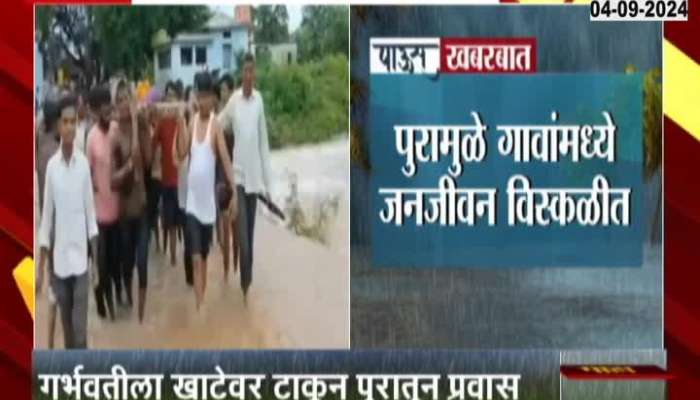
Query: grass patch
[[305, 103]]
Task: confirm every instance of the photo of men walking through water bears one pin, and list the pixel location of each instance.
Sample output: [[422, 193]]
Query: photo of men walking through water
[[216, 143]]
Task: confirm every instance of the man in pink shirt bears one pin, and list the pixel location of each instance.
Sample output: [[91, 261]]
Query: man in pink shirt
[[100, 148]]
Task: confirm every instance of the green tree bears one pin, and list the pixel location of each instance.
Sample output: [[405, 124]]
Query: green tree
[[271, 24], [323, 30], [305, 103], [66, 31], [125, 33], [108, 39]]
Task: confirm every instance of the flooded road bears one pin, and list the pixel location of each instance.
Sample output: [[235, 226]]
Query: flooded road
[[299, 297]]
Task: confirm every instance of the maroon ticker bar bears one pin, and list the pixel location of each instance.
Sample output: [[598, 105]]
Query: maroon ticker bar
[[460, 55], [614, 372]]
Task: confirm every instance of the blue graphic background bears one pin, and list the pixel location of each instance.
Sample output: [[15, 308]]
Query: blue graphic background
[[507, 99]]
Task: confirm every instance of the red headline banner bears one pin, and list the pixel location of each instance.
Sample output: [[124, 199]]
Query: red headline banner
[[453, 55], [488, 55], [614, 372]]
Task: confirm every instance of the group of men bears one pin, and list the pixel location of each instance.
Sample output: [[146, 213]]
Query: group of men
[[203, 157]]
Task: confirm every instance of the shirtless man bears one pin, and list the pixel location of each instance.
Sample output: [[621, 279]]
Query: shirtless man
[[204, 140]]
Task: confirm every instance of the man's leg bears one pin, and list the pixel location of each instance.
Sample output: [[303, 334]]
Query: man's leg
[[156, 231], [197, 270], [206, 236], [187, 251], [117, 243], [103, 292], [129, 238], [153, 209], [243, 240], [251, 207], [164, 232], [111, 263], [180, 223], [64, 299], [52, 322], [99, 290], [217, 221], [235, 245], [142, 261], [170, 219], [79, 312], [52, 304], [226, 244], [158, 215], [172, 235], [194, 232]]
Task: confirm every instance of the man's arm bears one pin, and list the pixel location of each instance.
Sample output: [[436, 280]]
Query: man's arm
[[264, 145], [90, 153], [47, 214], [136, 157], [225, 117], [134, 162], [91, 224], [227, 167], [89, 204], [174, 149], [119, 173], [223, 155], [145, 141], [43, 255], [93, 272], [155, 140], [183, 137]]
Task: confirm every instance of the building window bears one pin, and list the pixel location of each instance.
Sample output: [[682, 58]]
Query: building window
[[164, 59], [228, 54], [186, 55], [289, 58], [227, 34], [201, 55]]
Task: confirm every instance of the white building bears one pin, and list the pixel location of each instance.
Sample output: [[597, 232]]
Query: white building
[[281, 53], [213, 49]]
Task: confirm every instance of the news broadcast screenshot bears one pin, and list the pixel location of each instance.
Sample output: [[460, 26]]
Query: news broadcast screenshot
[[350, 200]]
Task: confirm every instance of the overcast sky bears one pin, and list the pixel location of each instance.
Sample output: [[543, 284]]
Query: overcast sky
[[294, 12]]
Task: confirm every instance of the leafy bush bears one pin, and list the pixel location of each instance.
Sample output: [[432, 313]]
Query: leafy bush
[[305, 103]]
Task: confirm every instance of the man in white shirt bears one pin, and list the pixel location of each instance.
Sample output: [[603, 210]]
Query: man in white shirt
[[244, 114], [69, 210]]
